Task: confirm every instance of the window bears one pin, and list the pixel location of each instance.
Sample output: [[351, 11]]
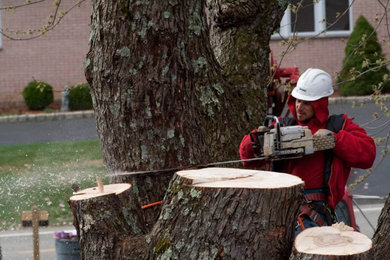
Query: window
[[321, 17]]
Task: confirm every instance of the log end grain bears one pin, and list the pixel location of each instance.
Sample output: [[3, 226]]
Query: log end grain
[[95, 192], [336, 240]]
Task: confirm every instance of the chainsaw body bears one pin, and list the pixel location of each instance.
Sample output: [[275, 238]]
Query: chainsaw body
[[287, 142]]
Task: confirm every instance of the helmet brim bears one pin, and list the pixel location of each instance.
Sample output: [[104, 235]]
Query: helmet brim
[[296, 94]]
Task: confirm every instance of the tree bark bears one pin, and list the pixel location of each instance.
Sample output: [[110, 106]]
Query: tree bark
[[147, 188], [240, 32], [105, 225], [332, 243], [217, 213], [159, 96], [381, 236]]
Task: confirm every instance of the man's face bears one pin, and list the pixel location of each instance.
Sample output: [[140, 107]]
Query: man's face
[[304, 110]]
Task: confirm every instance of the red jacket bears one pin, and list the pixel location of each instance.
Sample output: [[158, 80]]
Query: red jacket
[[354, 148]]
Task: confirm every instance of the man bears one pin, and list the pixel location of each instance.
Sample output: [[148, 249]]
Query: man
[[325, 173]]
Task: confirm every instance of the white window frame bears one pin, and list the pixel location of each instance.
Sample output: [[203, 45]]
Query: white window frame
[[319, 24]]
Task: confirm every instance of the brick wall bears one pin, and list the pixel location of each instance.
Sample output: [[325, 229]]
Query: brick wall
[[328, 53], [56, 58]]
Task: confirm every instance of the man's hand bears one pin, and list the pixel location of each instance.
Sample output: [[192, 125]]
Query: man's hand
[[323, 132]]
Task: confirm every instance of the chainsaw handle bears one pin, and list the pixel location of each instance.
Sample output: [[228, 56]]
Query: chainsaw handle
[[277, 126]]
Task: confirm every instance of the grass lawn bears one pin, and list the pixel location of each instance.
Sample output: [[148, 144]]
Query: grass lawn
[[42, 174]]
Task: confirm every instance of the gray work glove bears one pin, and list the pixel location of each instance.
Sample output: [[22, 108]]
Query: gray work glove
[[323, 132]]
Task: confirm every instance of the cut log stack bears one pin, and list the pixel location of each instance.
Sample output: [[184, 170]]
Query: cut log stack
[[227, 213], [332, 243]]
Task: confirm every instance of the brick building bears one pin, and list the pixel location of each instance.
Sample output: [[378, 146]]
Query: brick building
[[327, 50], [56, 57]]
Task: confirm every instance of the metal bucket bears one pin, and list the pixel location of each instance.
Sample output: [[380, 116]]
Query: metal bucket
[[68, 249]]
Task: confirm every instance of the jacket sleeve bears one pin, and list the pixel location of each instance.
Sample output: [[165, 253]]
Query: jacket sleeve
[[246, 152], [354, 146]]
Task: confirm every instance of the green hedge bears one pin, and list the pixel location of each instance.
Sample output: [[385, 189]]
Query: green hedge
[[362, 68], [38, 95], [79, 97]]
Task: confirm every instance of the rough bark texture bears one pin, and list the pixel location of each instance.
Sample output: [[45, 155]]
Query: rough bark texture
[[240, 32], [381, 237], [104, 227], [159, 97], [146, 189], [225, 223]]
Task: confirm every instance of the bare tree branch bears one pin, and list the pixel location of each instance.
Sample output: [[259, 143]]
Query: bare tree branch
[[50, 25]]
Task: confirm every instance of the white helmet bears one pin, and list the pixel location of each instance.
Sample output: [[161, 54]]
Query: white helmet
[[312, 85]]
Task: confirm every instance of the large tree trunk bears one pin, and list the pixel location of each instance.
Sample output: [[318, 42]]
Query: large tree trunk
[[240, 32], [381, 237], [159, 97], [225, 213]]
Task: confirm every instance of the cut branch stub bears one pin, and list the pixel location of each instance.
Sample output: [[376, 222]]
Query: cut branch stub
[[105, 220], [223, 212], [335, 242]]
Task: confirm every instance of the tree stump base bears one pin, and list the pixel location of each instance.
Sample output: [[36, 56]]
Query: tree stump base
[[214, 213], [104, 221], [336, 242]]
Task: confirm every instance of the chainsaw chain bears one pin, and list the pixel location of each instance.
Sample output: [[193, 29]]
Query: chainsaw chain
[[325, 142]]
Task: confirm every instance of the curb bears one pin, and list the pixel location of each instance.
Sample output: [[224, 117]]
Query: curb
[[47, 117], [90, 114]]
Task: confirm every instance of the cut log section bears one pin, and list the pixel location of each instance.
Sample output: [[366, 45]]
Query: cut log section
[[227, 213], [104, 221], [336, 242]]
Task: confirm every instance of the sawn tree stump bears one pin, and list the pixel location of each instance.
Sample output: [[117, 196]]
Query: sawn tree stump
[[332, 243], [214, 213], [108, 222]]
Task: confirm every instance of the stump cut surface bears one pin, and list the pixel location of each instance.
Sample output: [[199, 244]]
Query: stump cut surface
[[331, 241], [238, 178], [94, 192]]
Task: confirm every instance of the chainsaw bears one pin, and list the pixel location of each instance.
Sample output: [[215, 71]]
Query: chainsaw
[[277, 143], [280, 143]]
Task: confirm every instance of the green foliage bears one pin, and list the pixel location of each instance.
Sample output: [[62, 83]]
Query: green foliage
[[80, 97], [38, 95], [364, 64]]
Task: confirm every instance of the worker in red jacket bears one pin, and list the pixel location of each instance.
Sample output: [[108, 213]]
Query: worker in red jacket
[[325, 173]]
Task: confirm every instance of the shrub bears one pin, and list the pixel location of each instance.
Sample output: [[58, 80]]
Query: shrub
[[79, 97], [362, 65], [38, 95]]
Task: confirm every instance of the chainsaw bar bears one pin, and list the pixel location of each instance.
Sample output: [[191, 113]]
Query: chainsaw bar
[[189, 167], [319, 143]]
